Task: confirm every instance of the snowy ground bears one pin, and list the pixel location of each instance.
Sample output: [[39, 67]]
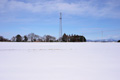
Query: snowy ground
[[59, 61]]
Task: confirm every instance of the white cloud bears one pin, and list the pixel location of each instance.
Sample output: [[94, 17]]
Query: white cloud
[[89, 8]]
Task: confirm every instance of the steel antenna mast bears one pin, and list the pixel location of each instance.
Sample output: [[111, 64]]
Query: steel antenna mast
[[60, 27]]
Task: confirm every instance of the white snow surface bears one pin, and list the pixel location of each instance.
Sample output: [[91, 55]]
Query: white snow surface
[[59, 61]]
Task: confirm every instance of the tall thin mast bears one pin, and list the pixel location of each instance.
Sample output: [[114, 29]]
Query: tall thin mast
[[60, 30]]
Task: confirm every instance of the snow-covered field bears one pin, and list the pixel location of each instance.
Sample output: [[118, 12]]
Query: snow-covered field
[[59, 61]]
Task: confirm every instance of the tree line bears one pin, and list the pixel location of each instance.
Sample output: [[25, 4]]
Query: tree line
[[73, 38], [3, 39], [33, 38], [46, 38]]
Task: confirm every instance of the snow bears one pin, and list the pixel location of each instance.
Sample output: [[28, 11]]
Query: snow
[[59, 61]]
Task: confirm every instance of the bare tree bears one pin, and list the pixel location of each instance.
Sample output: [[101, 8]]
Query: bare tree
[[49, 38], [13, 39], [33, 37]]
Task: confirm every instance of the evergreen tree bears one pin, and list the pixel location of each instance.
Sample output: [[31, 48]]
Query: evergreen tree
[[65, 38], [25, 38], [18, 38]]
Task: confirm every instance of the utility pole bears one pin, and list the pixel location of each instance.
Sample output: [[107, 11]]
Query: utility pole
[[60, 28]]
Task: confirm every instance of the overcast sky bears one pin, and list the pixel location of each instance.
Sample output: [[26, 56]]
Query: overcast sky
[[83, 17]]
